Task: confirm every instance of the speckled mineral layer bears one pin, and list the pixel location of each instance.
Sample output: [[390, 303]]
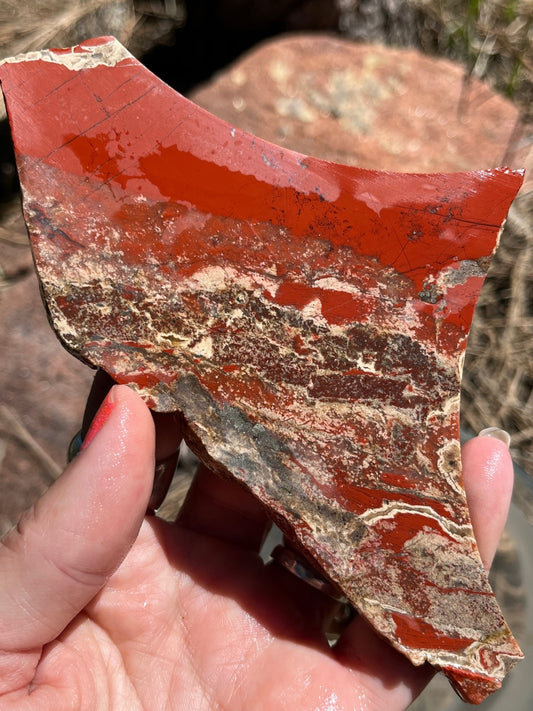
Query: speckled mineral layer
[[308, 319]]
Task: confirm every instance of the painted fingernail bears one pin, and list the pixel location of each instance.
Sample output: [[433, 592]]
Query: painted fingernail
[[497, 433], [99, 419]]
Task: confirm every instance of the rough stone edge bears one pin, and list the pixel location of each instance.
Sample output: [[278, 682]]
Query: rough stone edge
[[106, 51]]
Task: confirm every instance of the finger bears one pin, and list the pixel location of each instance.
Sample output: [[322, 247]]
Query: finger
[[169, 433], [169, 425], [65, 548], [488, 480], [225, 510], [389, 678]]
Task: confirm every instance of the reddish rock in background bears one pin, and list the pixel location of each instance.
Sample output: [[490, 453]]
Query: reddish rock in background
[[366, 105]]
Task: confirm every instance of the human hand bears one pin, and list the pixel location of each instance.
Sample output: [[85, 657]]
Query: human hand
[[103, 608]]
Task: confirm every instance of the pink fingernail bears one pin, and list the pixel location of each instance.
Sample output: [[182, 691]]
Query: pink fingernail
[[99, 419], [496, 433]]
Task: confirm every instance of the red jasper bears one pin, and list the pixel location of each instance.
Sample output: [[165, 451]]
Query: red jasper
[[309, 319]]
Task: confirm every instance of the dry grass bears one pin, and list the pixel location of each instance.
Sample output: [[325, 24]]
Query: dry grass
[[494, 38], [26, 26], [12, 425], [33, 25]]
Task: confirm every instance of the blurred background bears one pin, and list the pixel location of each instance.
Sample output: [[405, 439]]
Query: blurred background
[[412, 85]]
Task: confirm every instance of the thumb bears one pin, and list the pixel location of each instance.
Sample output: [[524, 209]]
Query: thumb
[[64, 548]]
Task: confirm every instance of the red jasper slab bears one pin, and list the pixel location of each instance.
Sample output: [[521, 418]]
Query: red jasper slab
[[309, 319]]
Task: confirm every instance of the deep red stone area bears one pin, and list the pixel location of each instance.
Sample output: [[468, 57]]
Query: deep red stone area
[[309, 319]]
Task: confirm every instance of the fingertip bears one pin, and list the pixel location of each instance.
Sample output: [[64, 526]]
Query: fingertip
[[121, 449], [487, 464], [168, 427], [104, 492], [488, 480]]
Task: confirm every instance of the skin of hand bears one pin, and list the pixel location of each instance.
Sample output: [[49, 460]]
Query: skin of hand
[[103, 608]]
